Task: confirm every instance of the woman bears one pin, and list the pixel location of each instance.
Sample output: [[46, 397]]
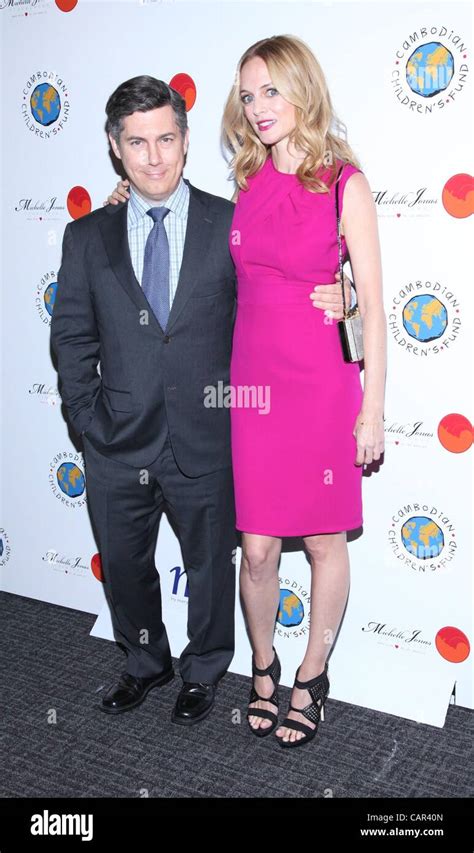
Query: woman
[[297, 469]]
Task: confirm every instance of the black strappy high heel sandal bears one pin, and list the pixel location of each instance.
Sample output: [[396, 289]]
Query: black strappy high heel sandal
[[318, 688], [274, 671]]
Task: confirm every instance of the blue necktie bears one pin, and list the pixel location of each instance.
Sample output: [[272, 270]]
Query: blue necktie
[[156, 267]]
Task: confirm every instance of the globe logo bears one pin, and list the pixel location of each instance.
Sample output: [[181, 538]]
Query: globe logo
[[422, 537], [425, 318], [50, 296], [71, 480], [429, 69], [291, 610], [45, 104]]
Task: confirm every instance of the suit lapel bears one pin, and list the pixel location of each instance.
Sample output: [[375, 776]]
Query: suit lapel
[[196, 243], [115, 237]]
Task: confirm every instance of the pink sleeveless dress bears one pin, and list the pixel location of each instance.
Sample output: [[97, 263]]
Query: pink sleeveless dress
[[295, 400]]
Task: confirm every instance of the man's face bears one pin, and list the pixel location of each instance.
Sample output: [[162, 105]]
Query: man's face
[[152, 151]]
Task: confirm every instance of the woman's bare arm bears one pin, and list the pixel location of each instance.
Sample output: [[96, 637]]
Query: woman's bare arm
[[359, 219]]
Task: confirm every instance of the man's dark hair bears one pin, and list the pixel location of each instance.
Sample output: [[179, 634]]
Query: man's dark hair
[[142, 94]]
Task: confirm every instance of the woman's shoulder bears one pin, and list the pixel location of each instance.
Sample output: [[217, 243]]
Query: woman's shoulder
[[346, 169], [343, 170]]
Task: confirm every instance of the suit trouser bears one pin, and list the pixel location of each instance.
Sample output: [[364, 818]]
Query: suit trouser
[[125, 513]]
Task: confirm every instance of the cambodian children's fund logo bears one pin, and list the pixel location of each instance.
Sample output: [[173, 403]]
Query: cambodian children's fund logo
[[4, 547], [67, 479], [430, 69], [45, 105], [423, 538], [425, 318], [46, 290], [293, 611]]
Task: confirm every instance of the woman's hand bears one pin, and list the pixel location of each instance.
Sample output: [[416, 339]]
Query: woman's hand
[[328, 297], [370, 436], [120, 193]]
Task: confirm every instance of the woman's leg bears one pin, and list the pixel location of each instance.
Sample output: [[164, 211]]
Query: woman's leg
[[330, 581], [260, 592]]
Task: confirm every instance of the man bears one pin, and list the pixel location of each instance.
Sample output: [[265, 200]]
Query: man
[[147, 289]]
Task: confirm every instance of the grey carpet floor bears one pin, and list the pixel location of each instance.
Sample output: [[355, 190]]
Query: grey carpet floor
[[55, 742]]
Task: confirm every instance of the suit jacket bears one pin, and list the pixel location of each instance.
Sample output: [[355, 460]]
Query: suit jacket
[[151, 380]]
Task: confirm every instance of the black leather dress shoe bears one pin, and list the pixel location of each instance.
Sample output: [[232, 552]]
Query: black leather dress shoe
[[130, 691], [195, 701]]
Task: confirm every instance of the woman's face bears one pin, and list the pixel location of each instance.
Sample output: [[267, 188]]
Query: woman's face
[[271, 117]]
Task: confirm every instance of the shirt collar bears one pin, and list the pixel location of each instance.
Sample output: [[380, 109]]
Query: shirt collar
[[177, 203]]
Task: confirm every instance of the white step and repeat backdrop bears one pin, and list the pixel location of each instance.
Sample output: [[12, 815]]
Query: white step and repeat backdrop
[[400, 78]]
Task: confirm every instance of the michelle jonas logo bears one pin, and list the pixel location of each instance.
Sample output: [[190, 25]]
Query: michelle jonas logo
[[41, 209], [408, 433], [67, 479], [46, 394], [423, 538], [23, 8], [425, 318], [66, 565], [78, 203], [407, 639], [430, 70], [45, 105], [293, 612], [413, 202], [45, 296]]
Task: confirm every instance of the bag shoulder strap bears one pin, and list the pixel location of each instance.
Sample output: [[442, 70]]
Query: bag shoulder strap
[[339, 241], [337, 193]]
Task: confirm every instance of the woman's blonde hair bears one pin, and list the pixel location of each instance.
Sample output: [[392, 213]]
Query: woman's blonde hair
[[298, 77]]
